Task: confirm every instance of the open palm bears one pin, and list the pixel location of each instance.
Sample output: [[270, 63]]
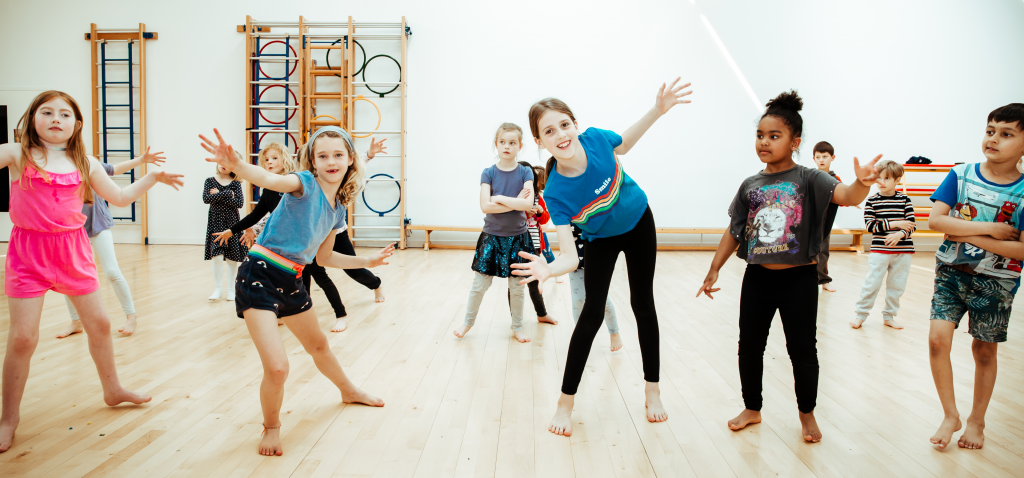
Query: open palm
[[671, 95], [868, 173], [223, 153], [153, 158]]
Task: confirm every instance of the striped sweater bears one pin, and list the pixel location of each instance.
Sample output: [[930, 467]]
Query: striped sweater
[[879, 212]]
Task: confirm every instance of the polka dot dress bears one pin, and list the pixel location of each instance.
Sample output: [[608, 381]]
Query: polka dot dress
[[223, 214]]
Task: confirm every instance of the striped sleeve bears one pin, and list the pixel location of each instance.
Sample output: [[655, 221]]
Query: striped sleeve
[[908, 211], [871, 223]]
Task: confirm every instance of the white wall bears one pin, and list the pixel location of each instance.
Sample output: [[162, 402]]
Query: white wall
[[899, 78]]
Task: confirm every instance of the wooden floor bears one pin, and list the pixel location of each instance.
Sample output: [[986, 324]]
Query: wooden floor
[[480, 406]]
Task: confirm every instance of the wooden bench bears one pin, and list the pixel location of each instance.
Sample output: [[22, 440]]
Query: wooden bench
[[856, 244]]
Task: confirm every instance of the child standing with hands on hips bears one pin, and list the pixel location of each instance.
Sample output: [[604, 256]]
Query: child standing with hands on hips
[[51, 179], [588, 187], [269, 284], [777, 221], [506, 192]]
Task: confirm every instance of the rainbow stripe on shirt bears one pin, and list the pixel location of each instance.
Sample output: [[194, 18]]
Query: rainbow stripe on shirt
[[605, 202], [276, 260]]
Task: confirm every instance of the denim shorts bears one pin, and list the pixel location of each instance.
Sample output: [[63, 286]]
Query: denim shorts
[[985, 301]]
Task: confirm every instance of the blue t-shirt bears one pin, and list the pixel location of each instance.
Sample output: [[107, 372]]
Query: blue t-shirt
[[603, 201], [510, 184], [299, 225], [971, 197]]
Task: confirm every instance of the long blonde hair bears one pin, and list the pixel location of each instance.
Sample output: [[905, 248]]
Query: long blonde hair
[[355, 175], [29, 139], [286, 158]]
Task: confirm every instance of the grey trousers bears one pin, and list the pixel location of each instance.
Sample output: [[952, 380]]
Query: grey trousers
[[895, 269], [577, 288], [482, 282]]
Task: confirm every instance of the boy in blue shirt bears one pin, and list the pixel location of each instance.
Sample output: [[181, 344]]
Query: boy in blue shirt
[[978, 266]]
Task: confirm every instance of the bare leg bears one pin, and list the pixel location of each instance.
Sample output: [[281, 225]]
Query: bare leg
[[268, 343], [306, 328], [984, 382], [940, 341], [22, 339], [561, 423]]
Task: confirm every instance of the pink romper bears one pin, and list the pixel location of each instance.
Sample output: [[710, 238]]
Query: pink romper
[[49, 248]]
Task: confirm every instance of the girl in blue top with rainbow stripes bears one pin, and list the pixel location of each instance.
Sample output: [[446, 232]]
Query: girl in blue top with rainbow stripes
[[588, 187], [269, 284]]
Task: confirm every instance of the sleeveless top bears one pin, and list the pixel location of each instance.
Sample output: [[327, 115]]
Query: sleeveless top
[[53, 206]]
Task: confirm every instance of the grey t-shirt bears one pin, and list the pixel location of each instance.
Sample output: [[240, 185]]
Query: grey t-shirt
[[779, 218], [97, 215], [506, 183]]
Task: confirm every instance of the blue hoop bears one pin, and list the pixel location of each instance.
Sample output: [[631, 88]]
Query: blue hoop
[[381, 214]]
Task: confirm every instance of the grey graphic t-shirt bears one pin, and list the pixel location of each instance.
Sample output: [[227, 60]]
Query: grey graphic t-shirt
[[779, 218]]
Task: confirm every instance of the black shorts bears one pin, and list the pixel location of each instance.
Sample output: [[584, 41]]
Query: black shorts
[[262, 285]]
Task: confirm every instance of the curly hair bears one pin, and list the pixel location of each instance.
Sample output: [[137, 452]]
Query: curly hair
[[355, 175], [286, 158]]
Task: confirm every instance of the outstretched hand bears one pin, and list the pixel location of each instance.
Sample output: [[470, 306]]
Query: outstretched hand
[[867, 174], [708, 287], [153, 158], [376, 147], [222, 237], [535, 270], [378, 259], [223, 153], [248, 238], [170, 179], [671, 95]]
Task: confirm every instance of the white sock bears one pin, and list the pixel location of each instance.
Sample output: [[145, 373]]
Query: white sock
[[218, 272], [229, 281]]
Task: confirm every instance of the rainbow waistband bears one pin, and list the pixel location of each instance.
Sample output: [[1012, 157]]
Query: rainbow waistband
[[276, 260]]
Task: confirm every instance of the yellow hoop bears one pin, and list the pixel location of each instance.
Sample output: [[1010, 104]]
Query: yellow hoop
[[360, 98]]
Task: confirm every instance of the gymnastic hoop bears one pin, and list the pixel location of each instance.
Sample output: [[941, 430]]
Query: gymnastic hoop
[[294, 98], [375, 128], [328, 58], [379, 213], [259, 142], [367, 63], [294, 54]]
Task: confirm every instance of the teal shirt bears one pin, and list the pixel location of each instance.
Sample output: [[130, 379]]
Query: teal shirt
[[299, 225]]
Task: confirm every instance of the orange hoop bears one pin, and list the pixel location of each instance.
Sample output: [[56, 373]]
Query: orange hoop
[[375, 128]]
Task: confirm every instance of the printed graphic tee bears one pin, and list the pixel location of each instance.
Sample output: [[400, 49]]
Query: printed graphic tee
[[603, 201], [971, 197], [779, 218]]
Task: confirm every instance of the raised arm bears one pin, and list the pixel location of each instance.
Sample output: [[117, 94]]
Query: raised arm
[[668, 96], [105, 187], [224, 155], [939, 220], [856, 191], [147, 157]]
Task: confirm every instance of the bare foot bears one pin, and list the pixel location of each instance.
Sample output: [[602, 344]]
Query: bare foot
[[7, 435], [270, 445], [521, 336], [561, 423], [655, 409], [129, 326], [974, 435], [356, 395], [827, 288], [378, 294], [75, 327], [125, 395], [340, 325], [809, 428], [856, 323], [746, 417], [944, 434], [461, 330], [893, 324], [547, 319], [616, 342]]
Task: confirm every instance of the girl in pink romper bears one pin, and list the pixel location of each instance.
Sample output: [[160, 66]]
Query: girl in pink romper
[[49, 248]]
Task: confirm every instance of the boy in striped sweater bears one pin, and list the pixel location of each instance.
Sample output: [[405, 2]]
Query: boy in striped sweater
[[889, 216]]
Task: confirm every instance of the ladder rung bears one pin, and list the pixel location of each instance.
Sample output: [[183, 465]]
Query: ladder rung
[[117, 127], [327, 47], [273, 131], [273, 59], [121, 132], [375, 132], [100, 64], [375, 96], [116, 82], [101, 86], [330, 72], [325, 97], [268, 82], [275, 107]]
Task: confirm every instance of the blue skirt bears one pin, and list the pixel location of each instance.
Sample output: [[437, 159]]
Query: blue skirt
[[495, 254]]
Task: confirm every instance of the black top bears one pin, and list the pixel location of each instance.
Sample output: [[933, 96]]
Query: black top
[[266, 205]]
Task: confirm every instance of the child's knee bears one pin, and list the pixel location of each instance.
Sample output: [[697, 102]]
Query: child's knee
[[277, 373], [24, 343], [320, 345], [984, 352]]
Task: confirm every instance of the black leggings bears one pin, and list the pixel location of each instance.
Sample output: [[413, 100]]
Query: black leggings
[[794, 293], [342, 245], [641, 248]]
